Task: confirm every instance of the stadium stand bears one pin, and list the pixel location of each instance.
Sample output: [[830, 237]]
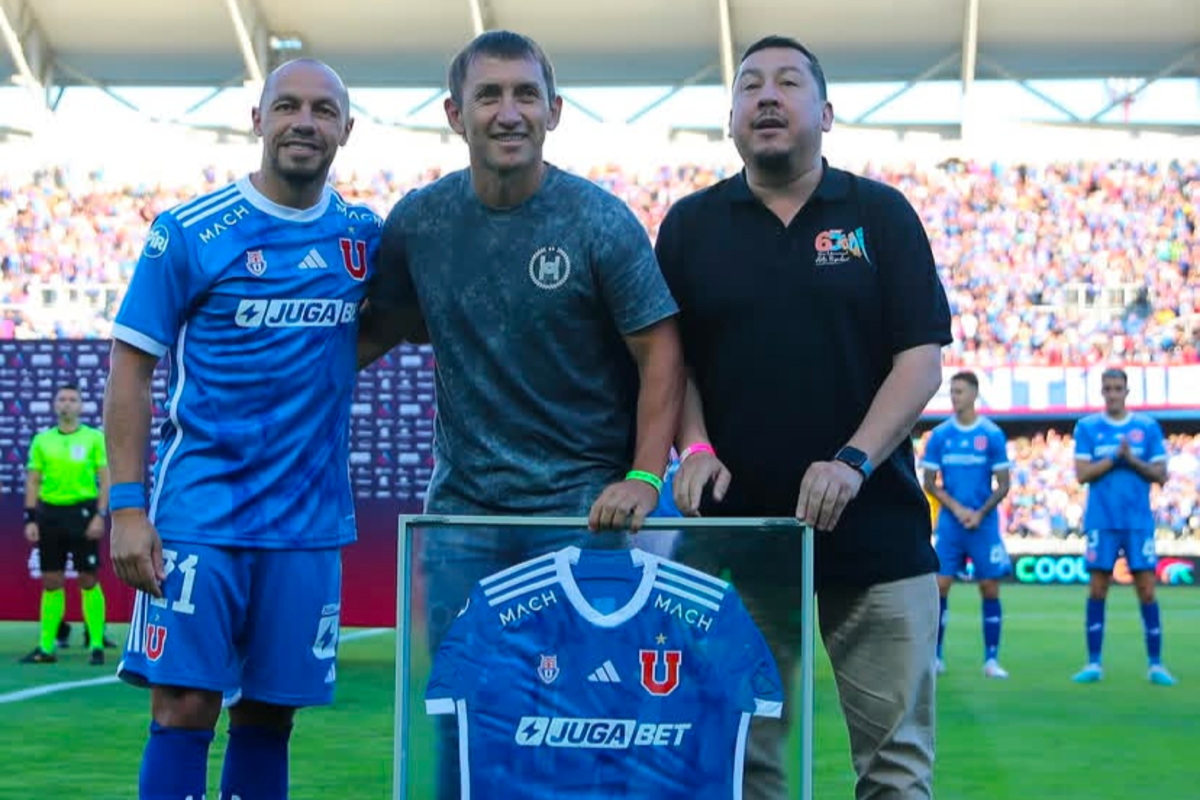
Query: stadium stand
[[1071, 263]]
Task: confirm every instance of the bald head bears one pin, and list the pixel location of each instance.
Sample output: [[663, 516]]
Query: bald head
[[309, 66], [303, 118]]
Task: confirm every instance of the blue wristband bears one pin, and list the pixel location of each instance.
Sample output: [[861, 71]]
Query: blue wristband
[[126, 495]]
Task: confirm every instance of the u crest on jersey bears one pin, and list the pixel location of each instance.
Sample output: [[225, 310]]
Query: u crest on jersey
[[354, 257], [649, 673]]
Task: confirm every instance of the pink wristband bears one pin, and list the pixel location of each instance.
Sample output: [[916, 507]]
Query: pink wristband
[[698, 447]]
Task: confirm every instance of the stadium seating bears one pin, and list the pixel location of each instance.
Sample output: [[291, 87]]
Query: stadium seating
[[1068, 264]]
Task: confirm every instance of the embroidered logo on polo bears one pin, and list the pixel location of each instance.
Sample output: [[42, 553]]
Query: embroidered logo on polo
[[836, 246]]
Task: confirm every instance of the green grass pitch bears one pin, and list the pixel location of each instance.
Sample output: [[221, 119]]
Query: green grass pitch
[[1036, 735]]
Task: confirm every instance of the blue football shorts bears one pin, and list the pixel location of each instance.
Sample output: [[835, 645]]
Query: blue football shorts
[[983, 546], [1105, 546], [255, 624]]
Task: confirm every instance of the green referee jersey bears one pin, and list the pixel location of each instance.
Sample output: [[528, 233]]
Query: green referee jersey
[[68, 463]]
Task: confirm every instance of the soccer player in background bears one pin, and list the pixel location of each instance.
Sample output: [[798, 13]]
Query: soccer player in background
[[559, 373], [971, 454], [253, 292], [1119, 455], [66, 502]]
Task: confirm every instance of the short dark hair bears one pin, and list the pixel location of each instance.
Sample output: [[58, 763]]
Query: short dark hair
[[498, 44], [775, 41], [67, 387], [1114, 372], [966, 376]]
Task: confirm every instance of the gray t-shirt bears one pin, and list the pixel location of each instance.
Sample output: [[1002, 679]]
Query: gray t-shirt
[[526, 308]]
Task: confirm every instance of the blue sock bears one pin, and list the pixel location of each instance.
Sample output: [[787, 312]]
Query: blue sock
[[1095, 629], [1153, 630], [256, 764], [991, 628], [941, 627], [174, 764]]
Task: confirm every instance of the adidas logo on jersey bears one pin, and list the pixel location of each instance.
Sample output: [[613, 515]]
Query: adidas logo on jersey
[[313, 261], [605, 673]]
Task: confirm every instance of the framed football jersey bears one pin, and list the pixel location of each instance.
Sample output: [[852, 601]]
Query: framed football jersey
[[600, 673]]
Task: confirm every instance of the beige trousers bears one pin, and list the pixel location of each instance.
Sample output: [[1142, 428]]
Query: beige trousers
[[882, 643]]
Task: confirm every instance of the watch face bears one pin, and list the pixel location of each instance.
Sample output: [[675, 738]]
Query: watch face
[[854, 458]]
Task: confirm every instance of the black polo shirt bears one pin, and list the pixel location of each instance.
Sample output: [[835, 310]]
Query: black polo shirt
[[790, 331]]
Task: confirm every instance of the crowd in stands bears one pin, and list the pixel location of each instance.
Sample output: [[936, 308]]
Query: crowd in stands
[[1045, 500], [1072, 263]]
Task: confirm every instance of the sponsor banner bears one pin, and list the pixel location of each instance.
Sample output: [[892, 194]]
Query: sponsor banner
[[1069, 391], [368, 570], [391, 456], [1076, 545], [1072, 569], [391, 420]]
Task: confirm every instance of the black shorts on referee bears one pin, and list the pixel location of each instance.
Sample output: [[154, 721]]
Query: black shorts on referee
[[62, 530]]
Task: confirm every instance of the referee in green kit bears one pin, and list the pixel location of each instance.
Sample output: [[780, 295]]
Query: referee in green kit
[[66, 501]]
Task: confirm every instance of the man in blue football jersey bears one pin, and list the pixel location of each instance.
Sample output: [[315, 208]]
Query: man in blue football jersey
[[971, 454], [604, 675], [1119, 455], [253, 293], [559, 372]]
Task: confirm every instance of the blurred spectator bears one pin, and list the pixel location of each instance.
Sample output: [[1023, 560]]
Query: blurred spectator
[[1073, 263]]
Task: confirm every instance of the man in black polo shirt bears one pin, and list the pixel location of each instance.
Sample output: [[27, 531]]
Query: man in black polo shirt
[[813, 319]]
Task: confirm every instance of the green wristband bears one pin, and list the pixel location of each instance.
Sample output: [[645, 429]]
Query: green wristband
[[646, 477]]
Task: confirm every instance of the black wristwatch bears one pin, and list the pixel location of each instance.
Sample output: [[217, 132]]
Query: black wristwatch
[[855, 459]]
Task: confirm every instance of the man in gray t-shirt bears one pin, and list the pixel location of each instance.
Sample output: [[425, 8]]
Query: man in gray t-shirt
[[528, 309], [559, 372]]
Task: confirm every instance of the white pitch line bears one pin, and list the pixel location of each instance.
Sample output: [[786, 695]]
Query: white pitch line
[[54, 688]]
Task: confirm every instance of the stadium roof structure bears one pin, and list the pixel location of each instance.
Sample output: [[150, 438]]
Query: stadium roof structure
[[51, 44]]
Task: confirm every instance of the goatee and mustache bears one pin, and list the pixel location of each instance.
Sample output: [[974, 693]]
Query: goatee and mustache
[[776, 162], [295, 173]]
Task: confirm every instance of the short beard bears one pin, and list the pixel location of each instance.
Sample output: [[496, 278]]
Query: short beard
[[775, 163], [299, 178]]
